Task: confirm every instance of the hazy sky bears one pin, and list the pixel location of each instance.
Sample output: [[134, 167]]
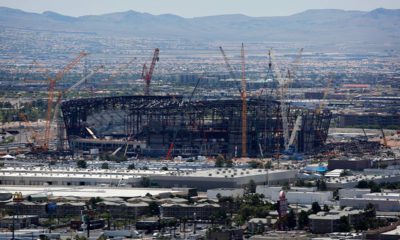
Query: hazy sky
[[194, 8]]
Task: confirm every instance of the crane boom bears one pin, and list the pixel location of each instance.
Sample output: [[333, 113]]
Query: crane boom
[[149, 74], [230, 69], [52, 84], [61, 94]]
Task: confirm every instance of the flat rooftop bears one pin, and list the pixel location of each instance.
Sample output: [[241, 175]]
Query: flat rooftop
[[86, 192]]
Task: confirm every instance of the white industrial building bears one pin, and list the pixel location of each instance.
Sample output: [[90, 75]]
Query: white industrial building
[[299, 197], [200, 179], [353, 192], [224, 192], [387, 195], [223, 178], [296, 195], [352, 181], [381, 204], [271, 193]]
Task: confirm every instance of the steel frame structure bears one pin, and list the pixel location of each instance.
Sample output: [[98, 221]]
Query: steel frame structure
[[201, 127]]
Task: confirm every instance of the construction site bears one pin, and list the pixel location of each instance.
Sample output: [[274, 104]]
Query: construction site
[[242, 124], [167, 126]]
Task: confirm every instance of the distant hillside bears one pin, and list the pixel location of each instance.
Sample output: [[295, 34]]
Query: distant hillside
[[380, 26]]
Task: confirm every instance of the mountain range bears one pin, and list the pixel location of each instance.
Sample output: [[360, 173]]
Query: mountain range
[[328, 26]]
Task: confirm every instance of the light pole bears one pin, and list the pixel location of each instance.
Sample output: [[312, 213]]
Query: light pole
[[194, 223]]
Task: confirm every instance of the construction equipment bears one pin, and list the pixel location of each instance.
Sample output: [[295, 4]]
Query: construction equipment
[[283, 105], [61, 94], [365, 134], [325, 94], [147, 74], [243, 95], [118, 71], [296, 128], [244, 105], [385, 142], [172, 145], [52, 84]]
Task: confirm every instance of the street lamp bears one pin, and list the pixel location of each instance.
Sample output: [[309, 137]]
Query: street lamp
[[194, 223]]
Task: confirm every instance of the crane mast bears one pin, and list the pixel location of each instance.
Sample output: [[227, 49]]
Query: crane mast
[[147, 75], [244, 105], [243, 94]]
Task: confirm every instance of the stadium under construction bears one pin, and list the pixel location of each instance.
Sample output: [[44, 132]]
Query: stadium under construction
[[158, 126]]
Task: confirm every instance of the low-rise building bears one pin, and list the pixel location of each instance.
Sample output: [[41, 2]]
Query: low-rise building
[[353, 192], [271, 193], [224, 192], [357, 164], [327, 222], [198, 211], [20, 221], [309, 197], [380, 204]]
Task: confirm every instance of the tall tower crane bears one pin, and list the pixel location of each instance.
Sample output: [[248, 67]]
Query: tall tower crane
[[52, 84], [243, 95], [244, 105], [147, 74]]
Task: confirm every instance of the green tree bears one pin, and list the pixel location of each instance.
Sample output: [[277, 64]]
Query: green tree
[[255, 164], [145, 182], [104, 166], [268, 165], [362, 184], [229, 163], [303, 219], [344, 225], [370, 211], [315, 207], [291, 219], [326, 208], [374, 187], [131, 166], [154, 208], [321, 185], [251, 186], [81, 164], [80, 237], [219, 161]]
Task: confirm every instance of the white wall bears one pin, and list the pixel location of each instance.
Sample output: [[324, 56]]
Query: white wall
[[271, 193], [309, 197], [352, 192]]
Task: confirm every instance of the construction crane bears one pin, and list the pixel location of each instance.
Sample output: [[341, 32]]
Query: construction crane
[[61, 94], [283, 106], [290, 74], [52, 84], [126, 65], [243, 94], [244, 104], [172, 145], [147, 74], [324, 95]]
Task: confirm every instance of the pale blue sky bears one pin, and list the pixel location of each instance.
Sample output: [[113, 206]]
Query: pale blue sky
[[195, 8]]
